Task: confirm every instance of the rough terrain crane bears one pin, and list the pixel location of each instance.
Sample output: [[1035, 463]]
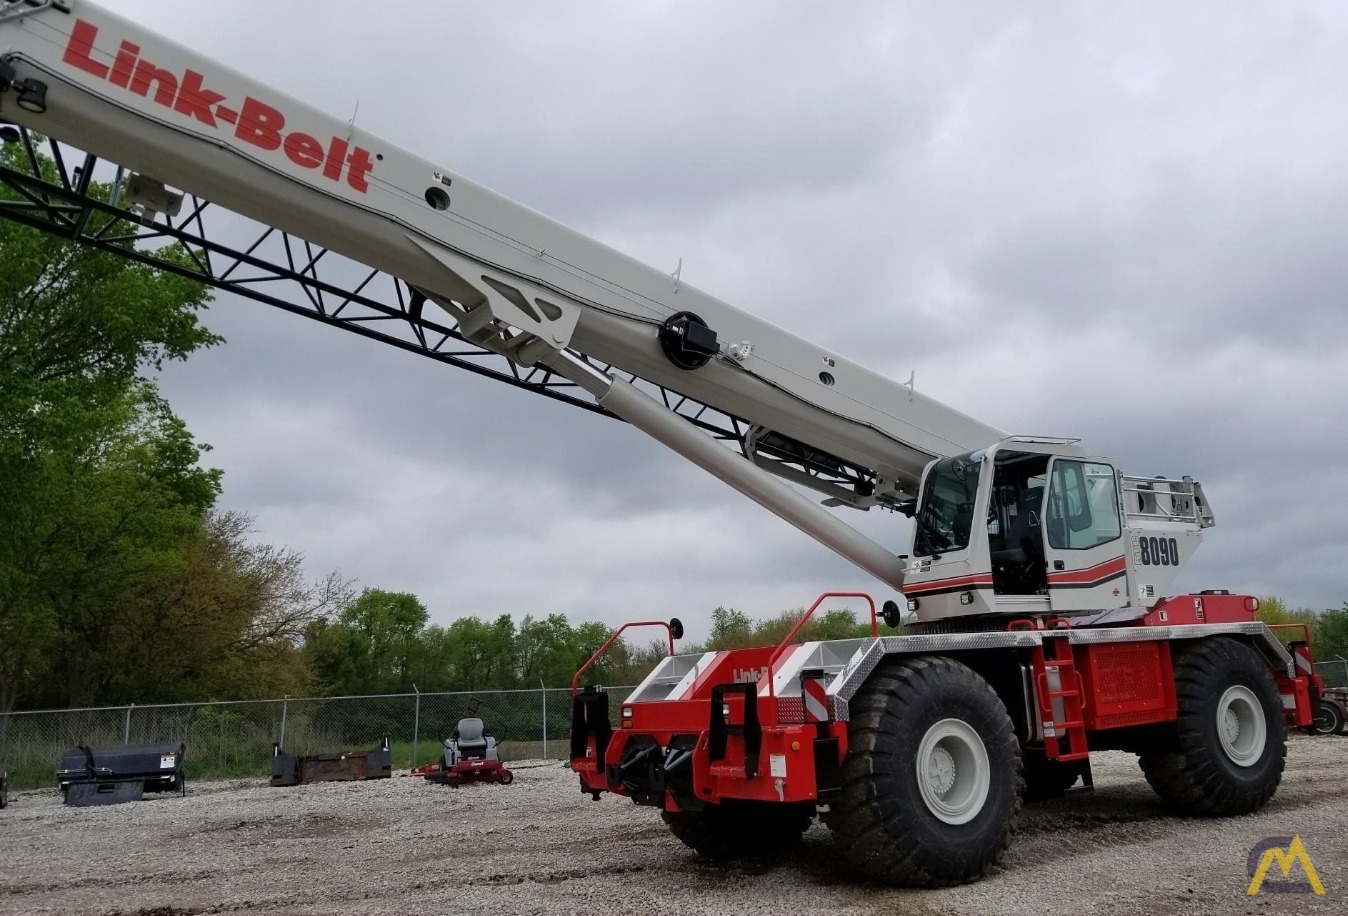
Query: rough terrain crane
[[1037, 575]]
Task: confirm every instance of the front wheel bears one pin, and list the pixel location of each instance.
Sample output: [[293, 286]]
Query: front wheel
[[739, 829], [1329, 719], [932, 779], [1226, 756]]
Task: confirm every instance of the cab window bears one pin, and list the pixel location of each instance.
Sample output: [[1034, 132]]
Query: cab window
[[946, 516], [1083, 505]]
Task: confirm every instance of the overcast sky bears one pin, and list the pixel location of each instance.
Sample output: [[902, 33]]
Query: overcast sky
[[1121, 222]]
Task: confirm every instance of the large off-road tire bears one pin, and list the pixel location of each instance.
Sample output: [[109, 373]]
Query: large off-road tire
[[1228, 750], [932, 779], [1329, 719], [735, 830], [1048, 779]]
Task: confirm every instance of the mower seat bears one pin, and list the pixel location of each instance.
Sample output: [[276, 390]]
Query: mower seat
[[470, 741]]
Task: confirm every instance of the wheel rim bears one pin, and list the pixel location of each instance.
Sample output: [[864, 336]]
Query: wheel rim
[[1240, 726], [953, 774], [1327, 722]]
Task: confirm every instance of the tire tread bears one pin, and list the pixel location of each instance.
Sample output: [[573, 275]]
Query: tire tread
[[1187, 775], [858, 821]]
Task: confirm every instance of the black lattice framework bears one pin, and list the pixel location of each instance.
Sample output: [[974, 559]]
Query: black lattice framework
[[42, 188]]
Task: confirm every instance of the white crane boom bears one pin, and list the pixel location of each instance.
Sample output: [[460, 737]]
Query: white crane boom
[[515, 281]]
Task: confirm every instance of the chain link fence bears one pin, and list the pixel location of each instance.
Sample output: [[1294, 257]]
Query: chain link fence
[[1334, 672], [234, 739]]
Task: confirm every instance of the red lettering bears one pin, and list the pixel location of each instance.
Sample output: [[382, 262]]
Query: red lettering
[[147, 73], [80, 49], [304, 150], [260, 124], [361, 165], [195, 100], [336, 154], [124, 64]]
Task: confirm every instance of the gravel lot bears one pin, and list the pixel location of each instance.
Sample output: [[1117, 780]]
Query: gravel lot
[[403, 846]]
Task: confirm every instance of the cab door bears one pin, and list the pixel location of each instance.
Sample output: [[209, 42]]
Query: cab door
[[1083, 537]]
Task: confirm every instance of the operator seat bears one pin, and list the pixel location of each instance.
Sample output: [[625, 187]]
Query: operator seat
[[1022, 560], [469, 740]]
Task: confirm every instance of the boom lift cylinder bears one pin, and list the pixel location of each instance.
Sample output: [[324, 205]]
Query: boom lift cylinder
[[626, 401]]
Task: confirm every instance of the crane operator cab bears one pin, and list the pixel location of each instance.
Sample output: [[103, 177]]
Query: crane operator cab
[[1032, 526]]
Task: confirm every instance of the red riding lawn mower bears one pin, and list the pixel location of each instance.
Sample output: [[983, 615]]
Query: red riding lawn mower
[[470, 755]]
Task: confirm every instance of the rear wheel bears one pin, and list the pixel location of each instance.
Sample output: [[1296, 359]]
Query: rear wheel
[[1329, 719], [1228, 751], [931, 783], [734, 830]]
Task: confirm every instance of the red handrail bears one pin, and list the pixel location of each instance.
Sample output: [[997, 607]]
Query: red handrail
[[781, 646], [575, 681], [1303, 627]]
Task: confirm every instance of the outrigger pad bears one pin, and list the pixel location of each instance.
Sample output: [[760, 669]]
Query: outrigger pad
[[87, 794]]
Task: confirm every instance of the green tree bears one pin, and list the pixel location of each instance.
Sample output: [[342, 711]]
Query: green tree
[[549, 651], [373, 645], [1328, 629], [230, 620], [730, 629], [1274, 611], [98, 480], [589, 636], [1330, 633], [112, 525]]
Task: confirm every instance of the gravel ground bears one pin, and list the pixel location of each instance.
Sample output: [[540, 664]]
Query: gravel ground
[[403, 846]]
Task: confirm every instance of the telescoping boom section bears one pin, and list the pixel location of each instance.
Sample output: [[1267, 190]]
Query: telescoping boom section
[[1036, 622]]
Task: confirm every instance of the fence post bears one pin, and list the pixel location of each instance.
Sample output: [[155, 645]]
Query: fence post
[[285, 705], [416, 727], [545, 719], [126, 731]]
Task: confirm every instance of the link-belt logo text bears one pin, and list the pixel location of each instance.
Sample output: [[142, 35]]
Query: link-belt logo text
[[254, 122]]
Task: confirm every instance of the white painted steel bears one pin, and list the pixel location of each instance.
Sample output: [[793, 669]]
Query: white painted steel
[[1241, 727], [953, 772], [778, 497]]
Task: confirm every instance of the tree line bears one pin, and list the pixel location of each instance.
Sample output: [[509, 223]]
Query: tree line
[[1328, 629], [383, 642]]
